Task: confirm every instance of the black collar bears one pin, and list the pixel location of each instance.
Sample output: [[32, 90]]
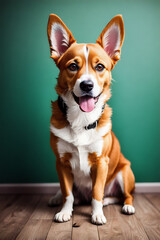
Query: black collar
[[61, 104], [91, 126], [63, 107]]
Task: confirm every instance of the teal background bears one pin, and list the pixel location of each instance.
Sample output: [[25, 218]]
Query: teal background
[[28, 78]]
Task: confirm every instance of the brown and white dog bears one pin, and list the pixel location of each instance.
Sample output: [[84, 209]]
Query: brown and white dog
[[89, 161]]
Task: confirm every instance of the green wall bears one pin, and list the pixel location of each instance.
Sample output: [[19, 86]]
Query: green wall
[[28, 78]]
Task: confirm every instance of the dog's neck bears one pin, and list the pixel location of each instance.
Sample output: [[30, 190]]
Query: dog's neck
[[64, 109]]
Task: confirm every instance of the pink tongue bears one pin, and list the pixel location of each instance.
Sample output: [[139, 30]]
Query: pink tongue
[[86, 103]]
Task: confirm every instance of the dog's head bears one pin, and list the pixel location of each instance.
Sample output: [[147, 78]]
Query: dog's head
[[85, 69]]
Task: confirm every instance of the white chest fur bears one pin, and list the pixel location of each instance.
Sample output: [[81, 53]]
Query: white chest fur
[[79, 145], [79, 161]]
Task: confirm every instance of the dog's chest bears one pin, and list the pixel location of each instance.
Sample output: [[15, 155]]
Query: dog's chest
[[80, 147], [81, 167]]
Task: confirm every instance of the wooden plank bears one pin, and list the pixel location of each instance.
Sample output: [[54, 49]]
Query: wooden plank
[[60, 231], [154, 198], [42, 211], [112, 211], [148, 215], [132, 228], [14, 217], [35, 229], [85, 230], [82, 226], [6, 201], [63, 235], [40, 221], [82, 211], [120, 226], [5, 197], [112, 229]]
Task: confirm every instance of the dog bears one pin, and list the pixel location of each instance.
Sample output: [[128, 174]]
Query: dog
[[89, 161]]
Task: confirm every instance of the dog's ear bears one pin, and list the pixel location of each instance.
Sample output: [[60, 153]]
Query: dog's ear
[[111, 38], [59, 36]]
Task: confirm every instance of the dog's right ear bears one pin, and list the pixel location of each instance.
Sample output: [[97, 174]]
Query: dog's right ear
[[59, 36]]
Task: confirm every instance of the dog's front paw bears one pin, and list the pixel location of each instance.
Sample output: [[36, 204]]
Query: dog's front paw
[[63, 216], [98, 219], [128, 209]]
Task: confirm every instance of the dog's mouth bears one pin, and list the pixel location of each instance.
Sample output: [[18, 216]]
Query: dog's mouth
[[86, 103]]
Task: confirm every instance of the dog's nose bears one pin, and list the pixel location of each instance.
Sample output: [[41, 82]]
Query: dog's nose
[[86, 85]]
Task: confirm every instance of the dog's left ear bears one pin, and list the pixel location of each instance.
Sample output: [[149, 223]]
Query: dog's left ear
[[111, 38], [59, 36]]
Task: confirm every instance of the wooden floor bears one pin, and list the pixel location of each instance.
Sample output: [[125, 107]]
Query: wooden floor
[[27, 217]]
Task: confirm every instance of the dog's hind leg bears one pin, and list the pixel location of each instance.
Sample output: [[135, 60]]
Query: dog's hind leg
[[129, 184], [57, 199], [110, 200], [114, 190]]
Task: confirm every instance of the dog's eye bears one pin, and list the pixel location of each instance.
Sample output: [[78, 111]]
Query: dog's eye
[[99, 67], [73, 67]]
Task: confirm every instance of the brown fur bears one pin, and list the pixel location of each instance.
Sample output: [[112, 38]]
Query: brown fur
[[58, 119]]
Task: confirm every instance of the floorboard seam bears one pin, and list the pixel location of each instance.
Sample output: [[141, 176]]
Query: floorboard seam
[[28, 217], [72, 225], [139, 221], [151, 203], [98, 232]]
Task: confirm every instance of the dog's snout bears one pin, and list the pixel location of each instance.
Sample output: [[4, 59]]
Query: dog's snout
[[86, 85]]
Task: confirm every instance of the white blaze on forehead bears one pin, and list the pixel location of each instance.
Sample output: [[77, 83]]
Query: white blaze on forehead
[[86, 54], [86, 76]]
